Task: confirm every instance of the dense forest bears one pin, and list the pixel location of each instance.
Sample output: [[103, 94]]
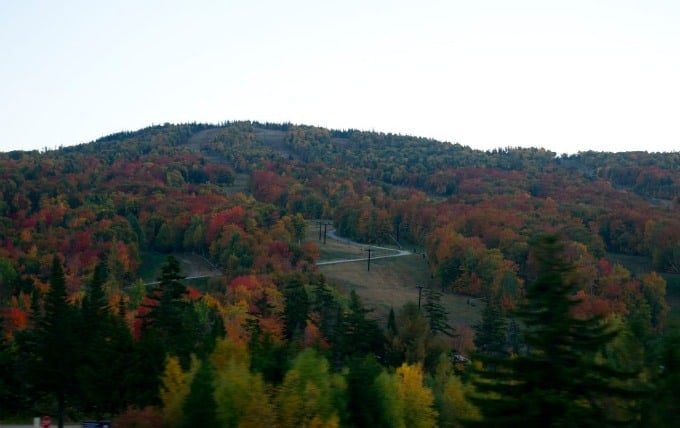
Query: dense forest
[[572, 260]]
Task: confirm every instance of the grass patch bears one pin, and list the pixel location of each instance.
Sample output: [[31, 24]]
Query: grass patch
[[150, 268], [190, 265], [392, 282], [338, 250]]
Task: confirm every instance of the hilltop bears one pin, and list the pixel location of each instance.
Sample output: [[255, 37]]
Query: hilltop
[[241, 205]]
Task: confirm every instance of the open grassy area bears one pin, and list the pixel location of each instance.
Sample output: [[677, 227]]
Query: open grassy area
[[190, 265], [150, 267], [392, 282], [337, 250]]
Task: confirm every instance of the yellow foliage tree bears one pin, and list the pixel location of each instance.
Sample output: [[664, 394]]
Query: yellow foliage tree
[[174, 389], [407, 403], [310, 396], [240, 395], [418, 399]]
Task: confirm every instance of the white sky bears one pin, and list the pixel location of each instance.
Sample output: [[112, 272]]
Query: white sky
[[565, 75]]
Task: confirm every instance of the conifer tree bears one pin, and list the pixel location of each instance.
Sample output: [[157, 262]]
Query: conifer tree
[[171, 318], [199, 408], [297, 306], [663, 406], [105, 336], [491, 332], [558, 380], [57, 344], [437, 314], [359, 333], [326, 305]]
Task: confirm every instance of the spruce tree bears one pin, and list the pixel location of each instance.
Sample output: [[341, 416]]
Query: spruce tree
[[437, 314], [199, 409], [360, 334], [491, 332], [57, 345], [297, 306], [663, 406], [106, 337], [557, 380]]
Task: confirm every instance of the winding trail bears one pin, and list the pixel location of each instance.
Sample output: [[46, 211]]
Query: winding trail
[[331, 234]]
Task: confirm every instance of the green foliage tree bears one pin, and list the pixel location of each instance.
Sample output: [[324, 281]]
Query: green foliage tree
[[326, 306], [410, 343], [450, 395], [171, 318], [57, 342], [297, 305], [437, 314], [559, 380], [105, 337], [240, 395], [310, 394], [491, 332], [168, 325], [362, 394], [359, 334], [199, 409], [662, 407], [8, 279], [12, 386]]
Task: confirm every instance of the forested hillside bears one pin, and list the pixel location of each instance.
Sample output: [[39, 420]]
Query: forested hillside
[[273, 342]]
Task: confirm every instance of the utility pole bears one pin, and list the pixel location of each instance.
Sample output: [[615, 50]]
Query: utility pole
[[369, 258], [420, 292], [324, 232], [319, 230]]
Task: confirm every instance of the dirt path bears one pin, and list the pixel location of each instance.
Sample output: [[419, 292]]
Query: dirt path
[[331, 234]]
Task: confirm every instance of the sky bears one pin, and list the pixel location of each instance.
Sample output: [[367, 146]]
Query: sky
[[567, 76]]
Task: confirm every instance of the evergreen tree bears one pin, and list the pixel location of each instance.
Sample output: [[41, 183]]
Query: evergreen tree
[[171, 318], [297, 305], [411, 342], [57, 345], [491, 332], [359, 334], [663, 407], [106, 337], [269, 355], [326, 305], [169, 326], [10, 381], [362, 394], [392, 323], [199, 408], [437, 315], [558, 381]]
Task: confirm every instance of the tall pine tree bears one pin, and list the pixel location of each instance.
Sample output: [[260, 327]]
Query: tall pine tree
[[106, 337], [491, 332], [558, 380], [437, 314], [57, 344]]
